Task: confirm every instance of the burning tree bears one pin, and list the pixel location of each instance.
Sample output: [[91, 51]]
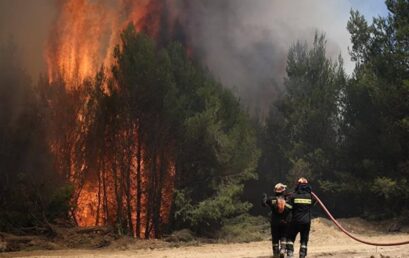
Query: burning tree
[[126, 139], [126, 133]]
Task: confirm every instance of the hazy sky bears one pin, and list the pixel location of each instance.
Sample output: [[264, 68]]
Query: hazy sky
[[28, 22]]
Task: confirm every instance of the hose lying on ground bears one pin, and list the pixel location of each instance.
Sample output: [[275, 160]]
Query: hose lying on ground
[[348, 233]]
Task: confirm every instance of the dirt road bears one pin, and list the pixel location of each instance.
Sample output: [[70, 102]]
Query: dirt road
[[250, 250], [325, 241]]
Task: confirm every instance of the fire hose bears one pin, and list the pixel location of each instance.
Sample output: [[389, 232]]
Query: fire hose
[[348, 233]]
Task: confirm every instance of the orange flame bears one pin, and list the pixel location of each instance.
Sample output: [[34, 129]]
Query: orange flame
[[85, 34], [82, 40]]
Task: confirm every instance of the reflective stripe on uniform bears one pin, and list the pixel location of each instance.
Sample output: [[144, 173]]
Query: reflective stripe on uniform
[[304, 246], [275, 244], [290, 243], [288, 206], [302, 201]]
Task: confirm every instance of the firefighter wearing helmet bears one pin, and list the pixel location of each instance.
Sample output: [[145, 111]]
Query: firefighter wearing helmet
[[280, 218], [301, 201]]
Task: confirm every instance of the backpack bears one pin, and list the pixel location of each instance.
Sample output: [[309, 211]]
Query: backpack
[[280, 204]]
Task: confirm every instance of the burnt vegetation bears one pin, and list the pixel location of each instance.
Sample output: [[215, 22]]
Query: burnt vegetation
[[156, 144]]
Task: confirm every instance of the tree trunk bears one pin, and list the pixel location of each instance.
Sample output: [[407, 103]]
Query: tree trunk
[[151, 190], [158, 202], [128, 189], [104, 186], [99, 198], [138, 184], [118, 198]]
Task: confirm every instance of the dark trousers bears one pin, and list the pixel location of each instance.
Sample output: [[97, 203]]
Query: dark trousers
[[279, 233], [304, 230]]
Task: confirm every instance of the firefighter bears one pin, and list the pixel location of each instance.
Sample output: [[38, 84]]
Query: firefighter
[[301, 201], [280, 218]]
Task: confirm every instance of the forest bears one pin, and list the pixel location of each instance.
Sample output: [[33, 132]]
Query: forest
[[155, 143]]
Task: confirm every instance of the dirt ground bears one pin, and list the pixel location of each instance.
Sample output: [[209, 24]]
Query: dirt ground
[[325, 241]]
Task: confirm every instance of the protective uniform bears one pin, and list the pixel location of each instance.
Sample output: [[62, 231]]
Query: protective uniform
[[280, 218], [301, 201]]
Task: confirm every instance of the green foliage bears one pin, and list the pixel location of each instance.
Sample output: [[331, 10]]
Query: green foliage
[[34, 203], [384, 187], [376, 110], [348, 135], [300, 168], [209, 215], [302, 131], [183, 112], [59, 203]]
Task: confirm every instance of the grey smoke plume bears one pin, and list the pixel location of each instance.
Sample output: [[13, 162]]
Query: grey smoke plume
[[27, 23], [243, 43]]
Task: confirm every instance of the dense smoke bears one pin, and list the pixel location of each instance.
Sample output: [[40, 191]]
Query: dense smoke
[[242, 42], [27, 23], [245, 43]]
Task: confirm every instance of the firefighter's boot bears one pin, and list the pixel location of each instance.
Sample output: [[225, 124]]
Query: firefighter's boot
[[283, 247], [276, 251], [290, 249], [303, 250]]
